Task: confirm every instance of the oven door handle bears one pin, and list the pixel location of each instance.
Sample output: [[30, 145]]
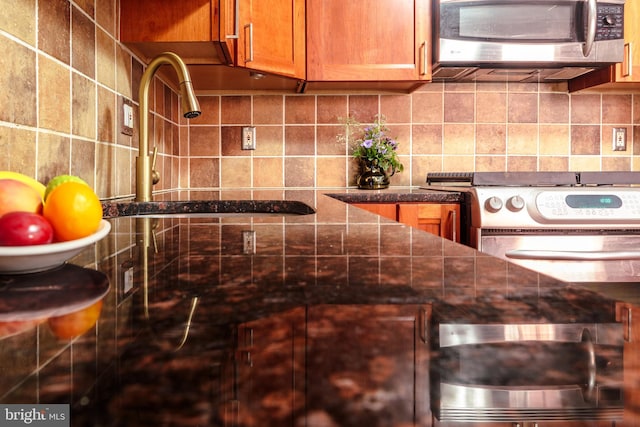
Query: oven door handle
[[572, 255]]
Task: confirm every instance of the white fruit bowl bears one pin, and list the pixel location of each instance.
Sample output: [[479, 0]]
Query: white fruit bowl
[[34, 258]]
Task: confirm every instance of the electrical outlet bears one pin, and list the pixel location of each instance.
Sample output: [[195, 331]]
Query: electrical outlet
[[249, 242], [249, 138], [619, 139], [127, 116]]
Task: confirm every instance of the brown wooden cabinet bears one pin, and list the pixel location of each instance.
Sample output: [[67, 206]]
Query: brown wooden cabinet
[[625, 75], [264, 378], [629, 315], [201, 32], [441, 219], [367, 365], [233, 32], [272, 37], [364, 40]]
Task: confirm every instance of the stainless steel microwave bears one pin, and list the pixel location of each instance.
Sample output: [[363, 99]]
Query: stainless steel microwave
[[545, 37]]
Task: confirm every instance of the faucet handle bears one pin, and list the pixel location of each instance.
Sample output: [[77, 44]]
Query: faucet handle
[[155, 175]]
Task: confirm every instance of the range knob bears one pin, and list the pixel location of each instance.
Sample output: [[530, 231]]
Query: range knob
[[515, 203], [609, 20], [493, 204]]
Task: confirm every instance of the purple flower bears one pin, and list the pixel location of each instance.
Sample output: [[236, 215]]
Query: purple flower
[[367, 143]]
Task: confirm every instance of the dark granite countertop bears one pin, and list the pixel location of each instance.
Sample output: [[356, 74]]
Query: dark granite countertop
[[317, 318]]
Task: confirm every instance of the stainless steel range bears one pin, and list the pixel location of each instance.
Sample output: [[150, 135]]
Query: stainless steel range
[[575, 226]]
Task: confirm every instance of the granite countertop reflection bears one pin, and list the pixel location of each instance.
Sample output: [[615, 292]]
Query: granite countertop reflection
[[306, 318]]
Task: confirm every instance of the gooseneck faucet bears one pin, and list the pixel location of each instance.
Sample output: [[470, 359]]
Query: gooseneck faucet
[[190, 110]]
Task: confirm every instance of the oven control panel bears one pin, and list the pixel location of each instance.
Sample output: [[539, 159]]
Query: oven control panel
[[509, 207]]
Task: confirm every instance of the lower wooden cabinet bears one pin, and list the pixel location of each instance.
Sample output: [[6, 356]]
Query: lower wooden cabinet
[[441, 219]]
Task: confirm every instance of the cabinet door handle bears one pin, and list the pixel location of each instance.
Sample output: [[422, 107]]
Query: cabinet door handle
[[627, 61], [250, 27], [236, 25], [423, 59], [626, 323], [453, 215], [424, 317]]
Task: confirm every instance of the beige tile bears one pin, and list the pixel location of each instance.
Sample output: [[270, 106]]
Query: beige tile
[[299, 171], [427, 107], [522, 139], [459, 107], [521, 163], [106, 59], [585, 139], [230, 145], [83, 111], [553, 163], [523, 107], [585, 109], [328, 142], [18, 18], [269, 141], [457, 163], [299, 140], [18, 65], [427, 139], [616, 109], [106, 15], [235, 172], [616, 163], [396, 108], [18, 151], [491, 107], [236, 110], [53, 95], [203, 141], [54, 28], [458, 139], [554, 108], [331, 109], [107, 115], [54, 152], [268, 109], [268, 172], [107, 174], [83, 154], [300, 110], [486, 163], [363, 108], [83, 43], [490, 138], [584, 163], [204, 173], [210, 111], [125, 76], [554, 139]]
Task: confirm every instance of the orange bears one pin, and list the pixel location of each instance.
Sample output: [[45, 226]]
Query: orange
[[77, 323], [73, 210]]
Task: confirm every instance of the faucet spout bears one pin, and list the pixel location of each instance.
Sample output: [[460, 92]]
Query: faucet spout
[[190, 109]]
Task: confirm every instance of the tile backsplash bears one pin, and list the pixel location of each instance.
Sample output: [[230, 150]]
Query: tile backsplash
[[64, 75]]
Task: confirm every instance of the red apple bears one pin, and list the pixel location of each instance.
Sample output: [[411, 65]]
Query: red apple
[[17, 196], [24, 228]]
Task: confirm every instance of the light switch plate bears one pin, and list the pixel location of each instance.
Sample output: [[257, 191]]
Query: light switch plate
[[126, 116]]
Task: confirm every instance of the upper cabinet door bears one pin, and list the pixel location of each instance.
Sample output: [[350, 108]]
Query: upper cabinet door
[[272, 36], [194, 29], [368, 40], [629, 69]]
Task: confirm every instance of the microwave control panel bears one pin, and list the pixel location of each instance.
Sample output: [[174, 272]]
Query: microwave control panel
[[610, 21]]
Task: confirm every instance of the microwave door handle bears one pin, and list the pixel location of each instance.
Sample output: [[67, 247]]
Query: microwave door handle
[[572, 255], [592, 17]]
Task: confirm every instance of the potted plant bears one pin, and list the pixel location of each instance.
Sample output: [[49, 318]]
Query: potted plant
[[377, 152]]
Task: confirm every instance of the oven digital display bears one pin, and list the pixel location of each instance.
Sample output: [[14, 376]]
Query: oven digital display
[[593, 201]]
